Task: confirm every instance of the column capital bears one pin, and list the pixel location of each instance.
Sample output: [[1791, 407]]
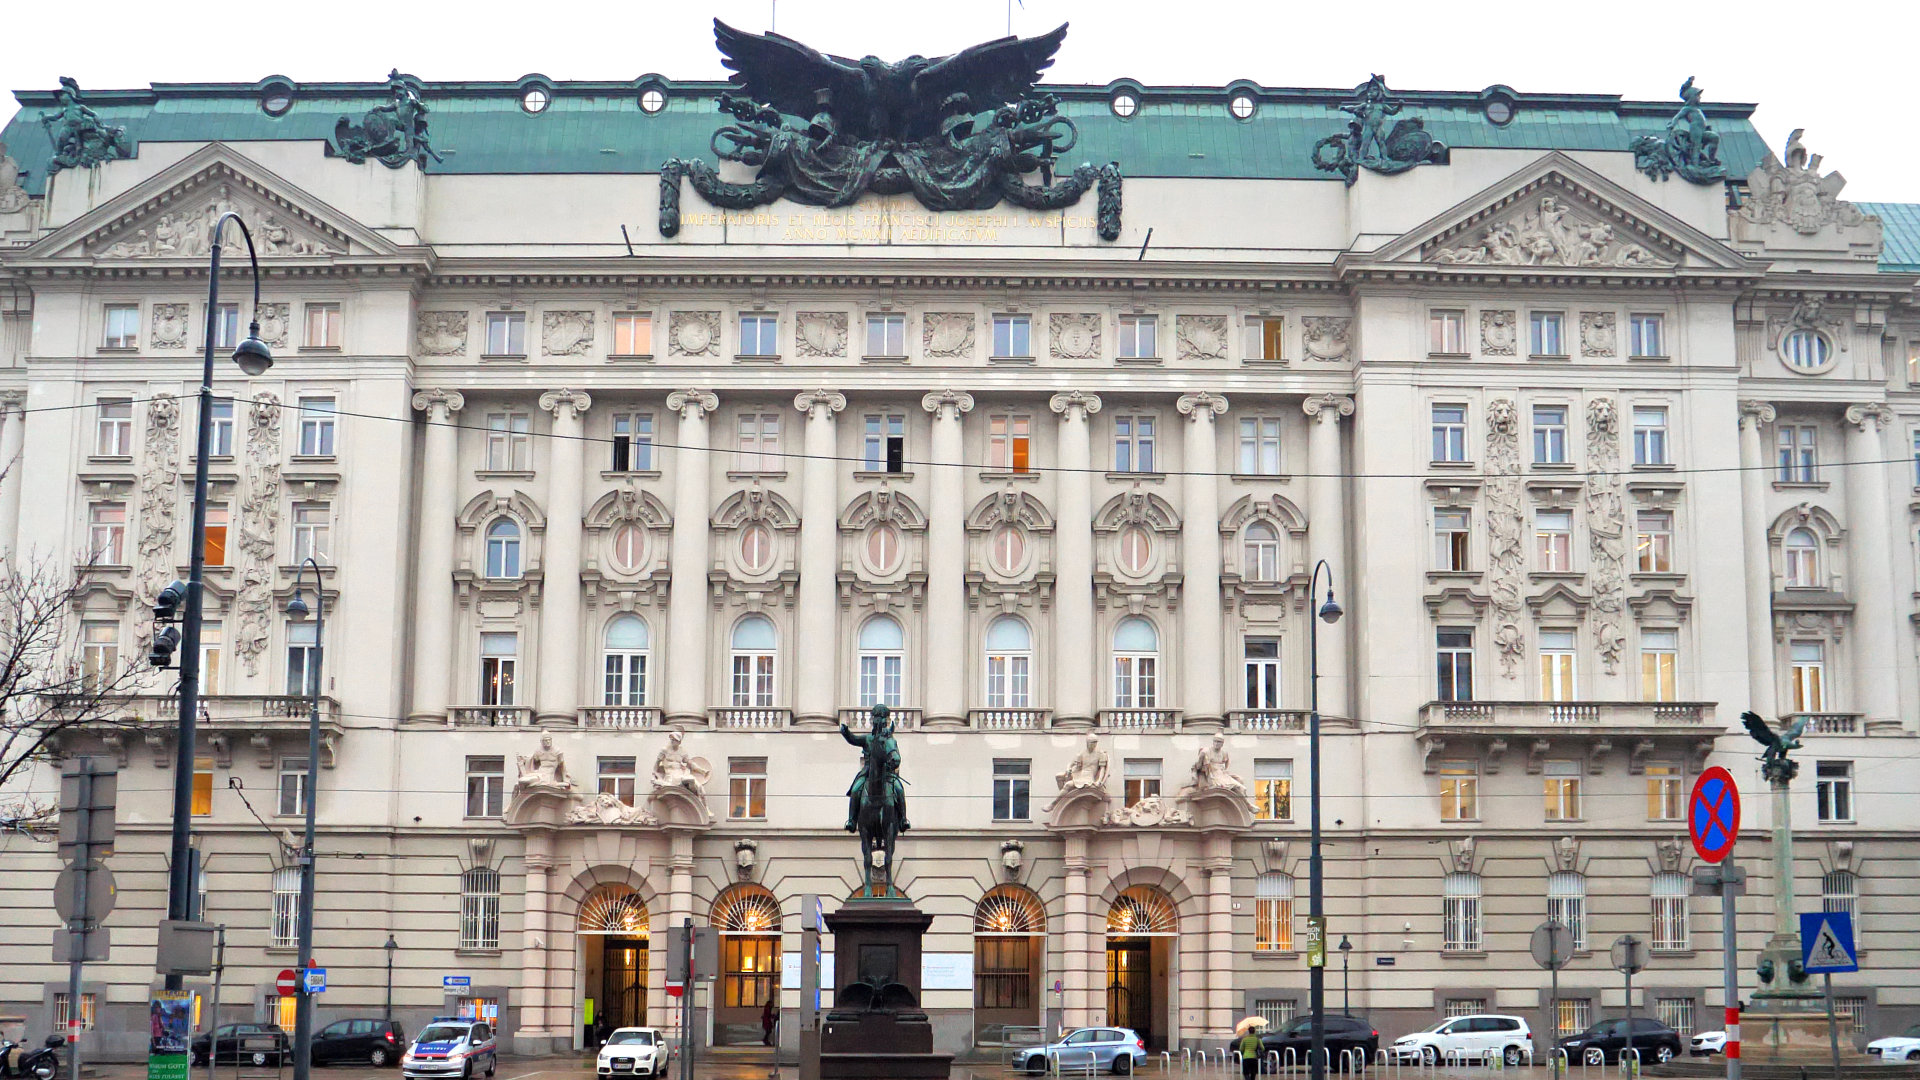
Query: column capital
[[810, 400], [448, 401], [1870, 417], [692, 404], [1756, 413], [1328, 406], [13, 401], [959, 400], [1073, 401], [539, 863], [576, 401], [1201, 405], [1217, 865]]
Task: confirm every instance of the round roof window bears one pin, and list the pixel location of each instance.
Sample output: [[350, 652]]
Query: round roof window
[[652, 100], [276, 99], [1500, 112], [535, 100], [1241, 106], [1125, 105]]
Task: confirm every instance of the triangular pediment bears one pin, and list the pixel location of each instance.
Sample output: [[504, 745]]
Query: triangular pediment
[[169, 217], [1559, 214]]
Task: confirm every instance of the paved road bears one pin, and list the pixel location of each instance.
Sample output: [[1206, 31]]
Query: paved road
[[582, 1069]]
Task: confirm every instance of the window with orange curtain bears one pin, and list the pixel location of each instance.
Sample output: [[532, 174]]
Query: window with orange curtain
[[216, 547], [202, 786]]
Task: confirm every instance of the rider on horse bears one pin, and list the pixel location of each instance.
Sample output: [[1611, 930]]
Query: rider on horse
[[881, 743]]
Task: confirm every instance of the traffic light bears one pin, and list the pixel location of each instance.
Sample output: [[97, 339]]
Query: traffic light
[[166, 609]]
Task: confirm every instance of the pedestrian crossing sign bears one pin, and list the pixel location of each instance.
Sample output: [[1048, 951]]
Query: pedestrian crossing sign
[[1826, 943]]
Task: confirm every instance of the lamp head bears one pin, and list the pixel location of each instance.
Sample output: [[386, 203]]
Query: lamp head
[[1345, 945], [253, 355], [1330, 611], [391, 944], [296, 607]]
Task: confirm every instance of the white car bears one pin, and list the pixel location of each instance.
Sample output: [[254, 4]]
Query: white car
[[1707, 1043], [1902, 1047], [633, 1051], [1468, 1038]]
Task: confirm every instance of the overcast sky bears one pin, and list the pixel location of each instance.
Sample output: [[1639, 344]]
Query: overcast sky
[[1842, 69]]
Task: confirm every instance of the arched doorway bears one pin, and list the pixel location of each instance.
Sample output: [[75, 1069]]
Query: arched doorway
[[613, 932], [1141, 928], [748, 919], [1009, 941]]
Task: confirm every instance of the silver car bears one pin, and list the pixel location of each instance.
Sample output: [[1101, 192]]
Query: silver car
[[1118, 1049]]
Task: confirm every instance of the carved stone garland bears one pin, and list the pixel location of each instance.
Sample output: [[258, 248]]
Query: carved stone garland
[[1606, 532], [159, 504], [259, 522], [1506, 556]]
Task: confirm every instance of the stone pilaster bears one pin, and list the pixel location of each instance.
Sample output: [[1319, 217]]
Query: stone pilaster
[[1075, 702], [1327, 538], [1077, 1007], [687, 643], [535, 976], [1761, 689], [1201, 633], [1877, 671], [560, 654], [814, 689], [1219, 1018], [13, 427], [946, 701], [433, 579]]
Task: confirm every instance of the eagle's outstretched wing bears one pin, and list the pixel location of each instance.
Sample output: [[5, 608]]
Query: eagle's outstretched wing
[[1796, 729], [1758, 728], [787, 75], [991, 74]]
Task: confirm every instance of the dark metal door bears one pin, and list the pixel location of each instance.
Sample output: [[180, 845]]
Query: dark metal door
[[1130, 986], [623, 982]]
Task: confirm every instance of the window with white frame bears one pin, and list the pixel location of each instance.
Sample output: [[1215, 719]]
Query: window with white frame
[[1562, 787], [1556, 665], [1840, 892], [99, 653], [1644, 338], [1261, 660], [1273, 789], [1449, 433], [312, 532], [122, 327], [219, 520], [759, 334], [884, 443], [1139, 339], [1549, 434], [1453, 653], [1447, 333], [211, 634], [486, 786], [1801, 550], [754, 645], [618, 777], [632, 442], [1009, 442], [1451, 536], [1650, 435], [1277, 1012], [480, 908], [1553, 541], [1916, 458], [1261, 548], [1260, 446], [1676, 1013], [1547, 333], [1136, 664], [1009, 664], [1139, 779], [1653, 541], [295, 786], [506, 333], [632, 333], [1576, 1016], [1798, 453], [1670, 892], [1133, 444], [316, 426], [1808, 350], [1659, 664], [113, 428], [499, 667], [1012, 781], [1012, 337], [887, 334], [1460, 913], [323, 326], [882, 662], [625, 661], [1833, 790], [1273, 912], [286, 907], [1459, 790], [747, 788], [1266, 338], [62, 1007], [220, 428], [759, 443], [503, 549], [1567, 905], [1666, 788], [1807, 664], [303, 658], [106, 533], [509, 442]]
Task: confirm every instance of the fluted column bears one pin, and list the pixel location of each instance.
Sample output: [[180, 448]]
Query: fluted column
[[687, 644], [535, 976], [560, 656], [946, 650], [1076, 1008], [813, 696], [1327, 537], [1876, 671], [1220, 981], [1200, 630], [1761, 689], [13, 426], [433, 577], [1075, 697]]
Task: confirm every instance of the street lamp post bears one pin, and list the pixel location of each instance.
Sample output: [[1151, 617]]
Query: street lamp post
[[253, 358], [1329, 612], [1346, 981], [303, 1002], [391, 946]]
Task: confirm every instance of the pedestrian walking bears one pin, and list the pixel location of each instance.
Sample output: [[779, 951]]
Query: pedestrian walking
[[769, 1018]]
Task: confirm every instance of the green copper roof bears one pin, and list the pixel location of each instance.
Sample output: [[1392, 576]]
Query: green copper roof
[[1901, 222], [600, 127]]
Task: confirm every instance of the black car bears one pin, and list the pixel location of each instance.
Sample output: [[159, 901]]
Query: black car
[[251, 1044], [1342, 1033], [1606, 1040], [378, 1043]]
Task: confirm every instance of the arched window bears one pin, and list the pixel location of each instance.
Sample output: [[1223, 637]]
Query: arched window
[[1262, 552], [1460, 916], [1142, 910], [1803, 559], [1136, 550], [882, 662], [1009, 909], [1009, 549], [626, 661], [883, 548], [1840, 891], [1567, 904], [1009, 664], [286, 907], [503, 549], [748, 919], [1273, 913], [753, 651], [1670, 892], [614, 909], [629, 547], [1136, 665], [480, 908]]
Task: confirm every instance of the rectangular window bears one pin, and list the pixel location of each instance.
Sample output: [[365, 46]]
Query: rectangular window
[[617, 777], [1644, 341], [759, 334], [293, 786], [210, 642], [499, 664], [1809, 672], [303, 672], [1547, 333], [1011, 779], [1562, 784], [1799, 453], [632, 334], [226, 326], [1012, 337], [1916, 458], [880, 678], [1133, 444], [1459, 790], [1273, 789], [486, 786], [1676, 1013], [316, 426], [506, 333], [1277, 1012], [63, 1013], [1575, 1017], [1653, 541], [632, 442], [1833, 790], [1141, 778], [1549, 434], [759, 445], [1453, 646], [1138, 337], [323, 326], [1556, 665], [884, 448], [1009, 443], [1009, 680], [887, 335], [1266, 338], [1458, 1007], [1650, 436], [202, 786], [1659, 663], [1273, 913], [1447, 333], [1449, 433], [123, 327], [1665, 789], [1262, 660], [311, 526], [113, 428], [747, 788], [1450, 537], [99, 653], [752, 680], [1553, 541], [220, 423], [218, 520], [1460, 916], [509, 442], [1260, 446], [479, 922], [107, 533]]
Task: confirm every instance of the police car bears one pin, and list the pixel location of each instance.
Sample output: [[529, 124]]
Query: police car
[[451, 1046]]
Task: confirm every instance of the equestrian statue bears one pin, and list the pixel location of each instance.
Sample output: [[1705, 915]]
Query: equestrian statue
[[877, 801]]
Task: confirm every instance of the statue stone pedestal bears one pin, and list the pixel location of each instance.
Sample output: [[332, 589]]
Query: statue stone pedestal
[[877, 1029]]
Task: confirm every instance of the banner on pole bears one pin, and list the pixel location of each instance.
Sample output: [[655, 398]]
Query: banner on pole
[[170, 1023]]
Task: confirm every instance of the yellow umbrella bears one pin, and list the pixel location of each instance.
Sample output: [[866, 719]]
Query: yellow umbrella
[[1249, 1024]]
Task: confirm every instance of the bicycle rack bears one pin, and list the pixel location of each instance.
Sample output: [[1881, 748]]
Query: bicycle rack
[[1166, 1061], [1635, 1052]]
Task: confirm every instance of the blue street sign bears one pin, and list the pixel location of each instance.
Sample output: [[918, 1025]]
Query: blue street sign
[[455, 982], [1826, 942], [314, 980]]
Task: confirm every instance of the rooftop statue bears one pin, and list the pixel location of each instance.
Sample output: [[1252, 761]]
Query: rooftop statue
[[1367, 144], [1794, 193], [390, 134], [80, 139], [959, 132], [1690, 148]]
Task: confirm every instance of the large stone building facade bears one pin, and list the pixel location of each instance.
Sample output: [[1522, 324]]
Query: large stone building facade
[[615, 528]]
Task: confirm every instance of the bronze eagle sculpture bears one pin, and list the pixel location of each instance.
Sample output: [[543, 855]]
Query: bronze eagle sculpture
[[1774, 763]]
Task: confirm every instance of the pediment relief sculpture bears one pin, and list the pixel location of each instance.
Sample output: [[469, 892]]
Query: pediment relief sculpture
[[820, 333], [1152, 810], [1201, 337], [442, 333], [1549, 232], [566, 333], [1499, 332], [946, 334], [693, 333], [606, 808], [180, 230], [1326, 337], [1794, 194], [1076, 336]]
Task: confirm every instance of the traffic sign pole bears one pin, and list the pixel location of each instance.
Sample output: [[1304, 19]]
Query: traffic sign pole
[[1713, 824], [1730, 969]]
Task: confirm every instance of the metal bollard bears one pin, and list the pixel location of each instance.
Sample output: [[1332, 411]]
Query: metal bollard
[[1635, 1070], [1293, 1060], [1166, 1061], [1275, 1056]]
